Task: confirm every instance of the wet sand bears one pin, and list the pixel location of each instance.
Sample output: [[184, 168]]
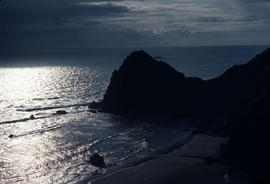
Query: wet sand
[[186, 165]]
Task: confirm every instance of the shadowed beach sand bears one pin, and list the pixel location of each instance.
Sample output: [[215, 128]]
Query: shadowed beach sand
[[185, 165]]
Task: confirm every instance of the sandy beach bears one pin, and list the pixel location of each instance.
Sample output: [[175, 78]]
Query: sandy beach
[[186, 165]]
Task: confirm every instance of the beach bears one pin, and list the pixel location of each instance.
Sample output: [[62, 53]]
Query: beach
[[185, 165]]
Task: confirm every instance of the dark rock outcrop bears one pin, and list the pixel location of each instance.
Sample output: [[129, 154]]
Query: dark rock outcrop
[[250, 125], [61, 112], [144, 85], [238, 86], [97, 160], [246, 102], [248, 147], [32, 117]]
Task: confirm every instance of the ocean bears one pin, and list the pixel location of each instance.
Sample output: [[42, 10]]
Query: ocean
[[55, 148]]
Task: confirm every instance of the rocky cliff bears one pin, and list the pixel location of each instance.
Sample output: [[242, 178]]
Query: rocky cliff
[[239, 98], [144, 85]]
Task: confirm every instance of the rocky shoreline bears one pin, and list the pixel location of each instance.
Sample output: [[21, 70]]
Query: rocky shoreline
[[158, 153], [235, 104], [188, 163]]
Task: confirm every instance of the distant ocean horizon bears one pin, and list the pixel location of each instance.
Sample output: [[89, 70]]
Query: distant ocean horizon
[[200, 61], [55, 148]]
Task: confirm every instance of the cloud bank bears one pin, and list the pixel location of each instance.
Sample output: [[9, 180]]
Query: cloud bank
[[44, 24]]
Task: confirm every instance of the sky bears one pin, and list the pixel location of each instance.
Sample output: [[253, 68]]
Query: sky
[[60, 24]]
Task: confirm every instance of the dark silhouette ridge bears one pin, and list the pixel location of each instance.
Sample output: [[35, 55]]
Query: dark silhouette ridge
[[250, 124], [238, 86], [144, 85], [249, 143], [97, 160], [239, 98]]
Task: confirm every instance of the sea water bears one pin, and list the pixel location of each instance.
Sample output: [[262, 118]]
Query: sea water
[[55, 148]]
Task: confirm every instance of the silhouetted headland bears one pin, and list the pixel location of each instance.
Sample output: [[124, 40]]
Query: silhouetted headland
[[144, 85], [249, 125], [237, 102]]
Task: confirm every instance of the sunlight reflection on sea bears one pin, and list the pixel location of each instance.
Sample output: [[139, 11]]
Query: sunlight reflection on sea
[[55, 148]]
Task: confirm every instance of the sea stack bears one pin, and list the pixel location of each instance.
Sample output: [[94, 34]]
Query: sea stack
[[144, 85]]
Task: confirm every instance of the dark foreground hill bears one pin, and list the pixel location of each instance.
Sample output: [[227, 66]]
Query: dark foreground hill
[[146, 86], [239, 98], [238, 86], [249, 143]]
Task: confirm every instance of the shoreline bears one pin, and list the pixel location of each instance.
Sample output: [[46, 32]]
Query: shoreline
[[187, 159], [155, 155]]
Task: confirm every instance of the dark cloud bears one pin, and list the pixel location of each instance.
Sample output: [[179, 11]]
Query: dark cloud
[[32, 13], [47, 24], [32, 24]]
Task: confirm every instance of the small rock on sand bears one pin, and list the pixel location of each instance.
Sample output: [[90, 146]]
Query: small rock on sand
[[97, 160], [61, 112], [32, 117]]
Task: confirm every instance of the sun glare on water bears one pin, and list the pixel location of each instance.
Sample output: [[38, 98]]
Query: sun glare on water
[[22, 155], [49, 148], [24, 83]]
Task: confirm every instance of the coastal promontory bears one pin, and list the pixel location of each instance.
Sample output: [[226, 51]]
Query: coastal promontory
[[145, 85], [237, 102]]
